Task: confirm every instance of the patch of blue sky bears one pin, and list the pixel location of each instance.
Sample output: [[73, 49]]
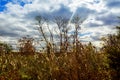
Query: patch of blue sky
[[20, 2], [81, 34], [2, 8], [4, 2], [87, 33]]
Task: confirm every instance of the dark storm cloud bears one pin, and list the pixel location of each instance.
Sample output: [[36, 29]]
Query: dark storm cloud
[[111, 19], [9, 30], [65, 11], [108, 17], [17, 28], [62, 11], [6, 33], [113, 3], [94, 24], [96, 36], [84, 12], [31, 15]]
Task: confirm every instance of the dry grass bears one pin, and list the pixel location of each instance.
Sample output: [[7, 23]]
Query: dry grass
[[85, 65]]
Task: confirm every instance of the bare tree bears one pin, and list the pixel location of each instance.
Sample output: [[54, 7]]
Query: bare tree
[[77, 22], [41, 23], [62, 24], [51, 36], [63, 29]]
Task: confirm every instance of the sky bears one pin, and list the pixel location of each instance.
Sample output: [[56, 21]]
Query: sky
[[17, 17]]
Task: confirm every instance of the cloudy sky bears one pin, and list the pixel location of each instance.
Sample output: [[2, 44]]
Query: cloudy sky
[[17, 17]]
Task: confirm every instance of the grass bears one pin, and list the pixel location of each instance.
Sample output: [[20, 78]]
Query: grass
[[85, 65]]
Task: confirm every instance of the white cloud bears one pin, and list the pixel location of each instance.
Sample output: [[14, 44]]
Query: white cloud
[[21, 17]]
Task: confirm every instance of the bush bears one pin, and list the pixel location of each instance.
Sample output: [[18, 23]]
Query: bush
[[87, 64], [113, 49]]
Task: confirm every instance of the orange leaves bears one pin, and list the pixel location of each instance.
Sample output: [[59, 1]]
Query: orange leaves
[[26, 46]]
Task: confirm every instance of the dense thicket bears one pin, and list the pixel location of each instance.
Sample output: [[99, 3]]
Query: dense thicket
[[86, 65], [113, 50]]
